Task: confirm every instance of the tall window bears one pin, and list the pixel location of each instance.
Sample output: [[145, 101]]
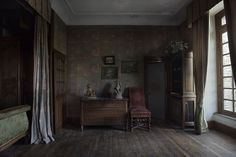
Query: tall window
[[226, 85]]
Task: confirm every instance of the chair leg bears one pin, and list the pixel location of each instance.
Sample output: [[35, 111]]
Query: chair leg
[[127, 122], [149, 123], [131, 124]]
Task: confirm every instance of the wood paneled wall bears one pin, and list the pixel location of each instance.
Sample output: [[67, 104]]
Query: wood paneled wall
[[59, 34], [198, 8], [42, 7], [9, 72]]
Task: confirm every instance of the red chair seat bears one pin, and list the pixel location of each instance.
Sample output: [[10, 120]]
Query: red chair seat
[[140, 112]]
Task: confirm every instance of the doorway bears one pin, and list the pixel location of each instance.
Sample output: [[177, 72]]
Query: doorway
[[155, 88]]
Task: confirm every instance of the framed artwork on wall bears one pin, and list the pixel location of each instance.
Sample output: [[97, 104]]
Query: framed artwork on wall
[[129, 66], [109, 73], [109, 60]]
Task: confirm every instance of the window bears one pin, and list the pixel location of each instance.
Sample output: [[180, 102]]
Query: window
[[226, 85]]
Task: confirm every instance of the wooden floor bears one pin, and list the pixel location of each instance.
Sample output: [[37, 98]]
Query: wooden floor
[[108, 142]]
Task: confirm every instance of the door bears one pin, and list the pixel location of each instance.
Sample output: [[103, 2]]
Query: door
[[155, 89], [59, 62]]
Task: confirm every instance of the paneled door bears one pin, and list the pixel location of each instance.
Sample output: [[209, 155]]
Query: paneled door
[[59, 62], [155, 87]]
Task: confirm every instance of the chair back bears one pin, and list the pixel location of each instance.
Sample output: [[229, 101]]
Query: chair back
[[136, 97]]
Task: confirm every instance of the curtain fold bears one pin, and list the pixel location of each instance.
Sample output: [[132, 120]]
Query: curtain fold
[[200, 56], [230, 13], [41, 131]]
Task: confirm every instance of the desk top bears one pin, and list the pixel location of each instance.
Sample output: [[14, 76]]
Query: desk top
[[101, 99]]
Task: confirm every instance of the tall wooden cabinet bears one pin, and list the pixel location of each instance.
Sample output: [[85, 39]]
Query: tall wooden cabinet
[[181, 92]]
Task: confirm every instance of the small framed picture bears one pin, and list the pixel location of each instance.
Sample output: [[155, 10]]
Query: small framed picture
[[129, 66], [109, 60], [109, 73]]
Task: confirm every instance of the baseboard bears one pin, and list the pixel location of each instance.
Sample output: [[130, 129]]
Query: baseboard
[[72, 121], [222, 128], [211, 125]]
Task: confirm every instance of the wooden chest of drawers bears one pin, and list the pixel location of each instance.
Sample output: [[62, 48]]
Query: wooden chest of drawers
[[103, 111]]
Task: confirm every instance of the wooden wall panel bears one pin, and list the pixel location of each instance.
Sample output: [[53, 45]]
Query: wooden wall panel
[[59, 34], [198, 8], [203, 6], [59, 83], [42, 7], [9, 73]]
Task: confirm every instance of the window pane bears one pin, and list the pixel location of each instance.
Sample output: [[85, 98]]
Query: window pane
[[226, 60], [224, 37], [228, 105], [235, 106], [227, 82], [223, 21], [227, 71], [228, 94], [234, 94], [225, 48]]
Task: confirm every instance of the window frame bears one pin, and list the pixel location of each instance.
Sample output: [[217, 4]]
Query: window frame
[[219, 60]]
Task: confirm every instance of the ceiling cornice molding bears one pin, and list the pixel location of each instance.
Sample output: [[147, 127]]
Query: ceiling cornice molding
[[121, 13], [114, 13], [70, 7], [64, 10]]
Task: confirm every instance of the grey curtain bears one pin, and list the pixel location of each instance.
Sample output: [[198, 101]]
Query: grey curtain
[[200, 55], [41, 122], [230, 13]]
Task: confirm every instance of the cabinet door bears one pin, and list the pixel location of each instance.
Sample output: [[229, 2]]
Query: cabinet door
[[59, 89], [9, 73]]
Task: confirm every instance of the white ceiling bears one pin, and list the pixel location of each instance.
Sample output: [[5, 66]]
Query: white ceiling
[[121, 12]]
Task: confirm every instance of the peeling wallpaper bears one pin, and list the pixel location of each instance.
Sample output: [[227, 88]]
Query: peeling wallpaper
[[88, 44]]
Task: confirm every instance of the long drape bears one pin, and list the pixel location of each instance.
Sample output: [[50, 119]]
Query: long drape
[[200, 55], [41, 122], [230, 13]]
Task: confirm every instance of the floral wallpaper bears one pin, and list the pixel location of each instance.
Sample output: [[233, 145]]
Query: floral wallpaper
[[87, 45]]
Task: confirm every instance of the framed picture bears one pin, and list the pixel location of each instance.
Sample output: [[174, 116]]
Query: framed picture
[[129, 66], [109, 60], [109, 73]]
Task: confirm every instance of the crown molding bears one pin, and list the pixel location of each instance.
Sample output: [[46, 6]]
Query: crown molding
[[66, 12], [115, 13]]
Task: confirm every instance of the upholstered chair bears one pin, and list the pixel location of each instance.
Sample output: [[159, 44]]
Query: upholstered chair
[[139, 115]]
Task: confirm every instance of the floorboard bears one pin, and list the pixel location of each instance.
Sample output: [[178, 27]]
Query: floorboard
[[110, 142]]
